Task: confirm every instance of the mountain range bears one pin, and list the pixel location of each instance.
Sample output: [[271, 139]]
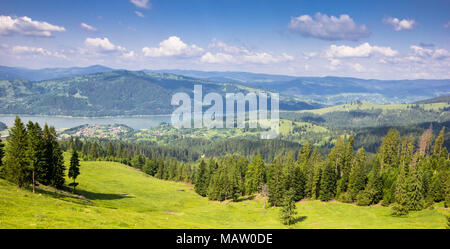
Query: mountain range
[[103, 91]]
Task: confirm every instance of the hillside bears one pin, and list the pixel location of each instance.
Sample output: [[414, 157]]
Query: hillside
[[110, 94], [435, 100], [117, 196]]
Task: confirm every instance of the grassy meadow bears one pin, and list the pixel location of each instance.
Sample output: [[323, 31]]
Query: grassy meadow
[[117, 196]]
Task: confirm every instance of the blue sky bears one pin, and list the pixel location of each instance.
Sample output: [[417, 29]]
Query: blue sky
[[366, 39]]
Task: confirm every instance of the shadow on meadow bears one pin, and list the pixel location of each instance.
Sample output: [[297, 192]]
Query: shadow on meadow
[[101, 196]]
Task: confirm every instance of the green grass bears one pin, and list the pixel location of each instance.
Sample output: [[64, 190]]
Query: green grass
[[122, 197], [364, 105]]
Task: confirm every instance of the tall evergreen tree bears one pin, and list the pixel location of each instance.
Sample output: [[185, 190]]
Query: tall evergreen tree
[[35, 152], [201, 184], [415, 191], [400, 206], [17, 165], [357, 175], [255, 175], [288, 210], [74, 169], [328, 179], [276, 183]]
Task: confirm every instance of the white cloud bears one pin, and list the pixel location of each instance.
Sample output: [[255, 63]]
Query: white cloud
[[420, 51], [363, 50], [221, 46], [26, 26], [87, 27], [24, 50], [357, 67], [141, 3], [397, 24], [173, 46], [326, 27], [266, 58], [102, 45], [441, 54], [219, 58], [138, 13]]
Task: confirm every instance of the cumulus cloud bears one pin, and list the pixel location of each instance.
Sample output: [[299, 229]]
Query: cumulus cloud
[[138, 13], [421, 52], [363, 50], [26, 26], [87, 27], [218, 58], [24, 50], [326, 27], [141, 3], [266, 58], [397, 24], [173, 46]]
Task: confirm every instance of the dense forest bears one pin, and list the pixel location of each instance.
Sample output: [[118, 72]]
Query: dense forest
[[405, 173]]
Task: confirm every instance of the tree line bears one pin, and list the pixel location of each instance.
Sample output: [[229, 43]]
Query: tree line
[[32, 155]]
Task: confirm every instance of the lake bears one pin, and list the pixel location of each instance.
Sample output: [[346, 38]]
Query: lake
[[137, 123]]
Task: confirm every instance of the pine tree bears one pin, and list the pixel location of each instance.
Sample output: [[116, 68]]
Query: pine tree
[[35, 152], [17, 166], [276, 183], [400, 206], [201, 184], [288, 210], [317, 179], [328, 180], [74, 169], [357, 175], [415, 191], [438, 144], [255, 175], [57, 161]]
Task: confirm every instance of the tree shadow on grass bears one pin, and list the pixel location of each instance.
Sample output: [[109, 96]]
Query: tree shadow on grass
[[300, 219], [245, 198], [101, 196]]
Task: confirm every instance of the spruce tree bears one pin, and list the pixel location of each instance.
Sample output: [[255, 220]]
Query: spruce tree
[[357, 174], [288, 210], [415, 191], [400, 206], [201, 184], [35, 152], [74, 169], [17, 165], [255, 175], [328, 181], [276, 183]]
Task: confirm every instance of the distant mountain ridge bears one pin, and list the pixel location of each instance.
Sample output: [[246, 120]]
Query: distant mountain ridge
[[17, 73], [26, 90]]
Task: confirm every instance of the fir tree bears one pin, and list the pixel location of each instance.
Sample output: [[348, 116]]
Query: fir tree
[[2, 154], [328, 181], [357, 174], [17, 166], [35, 152], [276, 183], [288, 210], [201, 184], [400, 206], [255, 175], [74, 169], [415, 191]]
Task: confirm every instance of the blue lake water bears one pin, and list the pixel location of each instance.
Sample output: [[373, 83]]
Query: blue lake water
[[139, 122]]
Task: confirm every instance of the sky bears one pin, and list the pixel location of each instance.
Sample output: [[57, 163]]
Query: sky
[[364, 39]]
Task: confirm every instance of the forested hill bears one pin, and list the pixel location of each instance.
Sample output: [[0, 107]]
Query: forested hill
[[112, 93]]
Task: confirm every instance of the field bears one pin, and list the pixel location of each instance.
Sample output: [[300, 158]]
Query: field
[[117, 196]]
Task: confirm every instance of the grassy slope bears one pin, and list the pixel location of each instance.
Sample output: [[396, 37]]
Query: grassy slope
[[368, 106], [122, 197]]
